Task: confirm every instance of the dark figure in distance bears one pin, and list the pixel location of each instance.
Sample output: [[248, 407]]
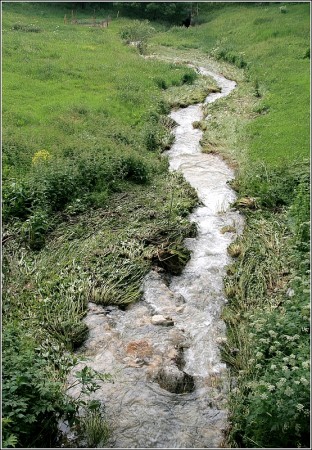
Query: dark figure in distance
[[187, 22]]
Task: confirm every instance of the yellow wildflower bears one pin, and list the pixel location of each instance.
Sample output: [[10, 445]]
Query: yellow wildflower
[[40, 157]]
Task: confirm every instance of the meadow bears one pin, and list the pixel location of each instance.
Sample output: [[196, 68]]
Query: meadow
[[88, 202]]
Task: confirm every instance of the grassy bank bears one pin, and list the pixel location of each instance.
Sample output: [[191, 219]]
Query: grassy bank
[[262, 129], [88, 203]]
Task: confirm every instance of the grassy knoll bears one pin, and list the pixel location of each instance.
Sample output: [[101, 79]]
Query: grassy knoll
[[263, 130]]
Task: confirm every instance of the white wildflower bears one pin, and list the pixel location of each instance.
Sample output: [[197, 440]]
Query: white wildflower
[[272, 333], [281, 382], [289, 391]]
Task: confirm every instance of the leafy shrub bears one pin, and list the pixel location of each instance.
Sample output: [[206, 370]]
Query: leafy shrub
[[273, 187], [35, 228], [299, 215], [189, 77], [269, 329], [276, 408], [33, 395], [50, 187], [137, 31], [26, 28], [16, 199], [31, 399], [134, 169]]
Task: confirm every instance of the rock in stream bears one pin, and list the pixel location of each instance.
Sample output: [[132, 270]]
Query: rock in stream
[[169, 388]]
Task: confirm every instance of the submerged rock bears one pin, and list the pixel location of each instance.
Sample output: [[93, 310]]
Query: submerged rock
[[162, 320], [163, 352]]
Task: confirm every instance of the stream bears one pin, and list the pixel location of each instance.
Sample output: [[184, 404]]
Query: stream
[[170, 385]]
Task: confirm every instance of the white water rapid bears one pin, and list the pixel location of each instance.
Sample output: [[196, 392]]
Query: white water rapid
[[169, 387]]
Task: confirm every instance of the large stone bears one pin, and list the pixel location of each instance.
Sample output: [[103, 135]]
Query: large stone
[[174, 380], [159, 319]]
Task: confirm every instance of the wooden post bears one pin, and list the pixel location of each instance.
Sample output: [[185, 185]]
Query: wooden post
[[65, 19]]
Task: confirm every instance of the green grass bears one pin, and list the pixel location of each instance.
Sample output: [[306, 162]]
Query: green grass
[[88, 202], [72, 88], [262, 129], [273, 45], [90, 220]]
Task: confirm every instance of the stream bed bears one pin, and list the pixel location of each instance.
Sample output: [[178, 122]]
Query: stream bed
[[170, 386]]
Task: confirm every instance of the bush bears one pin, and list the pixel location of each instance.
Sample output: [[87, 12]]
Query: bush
[[16, 199], [35, 228], [137, 31], [26, 28], [33, 395], [189, 77], [50, 187], [134, 169], [277, 404], [299, 215], [31, 399], [268, 319], [272, 187]]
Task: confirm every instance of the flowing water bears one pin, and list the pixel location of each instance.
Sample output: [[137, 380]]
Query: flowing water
[[169, 387]]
